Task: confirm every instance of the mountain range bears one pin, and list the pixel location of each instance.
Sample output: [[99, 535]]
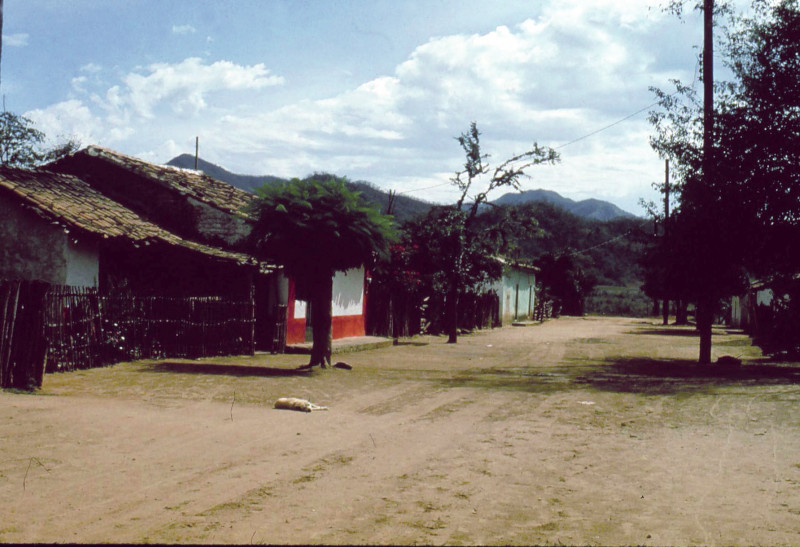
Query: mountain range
[[406, 207], [594, 209]]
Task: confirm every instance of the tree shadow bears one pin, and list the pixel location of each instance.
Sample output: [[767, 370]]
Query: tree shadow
[[627, 375], [683, 330], [666, 331], [672, 376], [224, 370]]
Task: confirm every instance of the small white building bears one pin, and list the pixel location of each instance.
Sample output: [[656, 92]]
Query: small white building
[[516, 291]]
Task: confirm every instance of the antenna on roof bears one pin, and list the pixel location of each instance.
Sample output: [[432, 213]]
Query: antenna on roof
[[196, 151]]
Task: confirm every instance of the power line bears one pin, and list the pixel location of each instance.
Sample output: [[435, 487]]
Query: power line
[[609, 126], [421, 189], [601, 244], [586, 136]]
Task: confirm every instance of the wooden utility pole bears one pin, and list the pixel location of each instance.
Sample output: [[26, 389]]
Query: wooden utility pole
[[390, 204], [196, 151], [665, 304], [393, 323], [705, 304], [1, 33]]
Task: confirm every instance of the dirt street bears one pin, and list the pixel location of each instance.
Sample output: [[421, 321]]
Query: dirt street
[[578, 431]]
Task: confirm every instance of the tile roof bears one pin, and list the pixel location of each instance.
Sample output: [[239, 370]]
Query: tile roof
[[72, 202], [187, 182]]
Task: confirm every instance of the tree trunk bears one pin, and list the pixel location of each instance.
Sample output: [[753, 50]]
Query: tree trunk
[[656, 309], [451, 305], [321, 316], [665, 312], [704, 316], [681, 313]]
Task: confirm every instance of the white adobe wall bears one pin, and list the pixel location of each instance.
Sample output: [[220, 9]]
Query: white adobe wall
[[514, 280], [348, 292], [348, 295], [32, 248], [82, 263]]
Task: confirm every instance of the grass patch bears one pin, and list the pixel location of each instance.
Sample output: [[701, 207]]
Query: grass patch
[[618, 301]]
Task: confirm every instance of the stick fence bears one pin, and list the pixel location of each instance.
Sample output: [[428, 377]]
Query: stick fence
[[58, 328]]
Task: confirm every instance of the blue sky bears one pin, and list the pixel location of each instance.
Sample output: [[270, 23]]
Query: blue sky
[[373, 90]]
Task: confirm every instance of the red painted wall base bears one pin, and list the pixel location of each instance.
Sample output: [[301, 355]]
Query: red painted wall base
[[341, 327]]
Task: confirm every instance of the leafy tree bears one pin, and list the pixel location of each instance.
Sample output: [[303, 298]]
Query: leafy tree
[[564, 281], [456, 226], [445, 240], [314, 228], [759, 135], [21, 143], [743, 210]]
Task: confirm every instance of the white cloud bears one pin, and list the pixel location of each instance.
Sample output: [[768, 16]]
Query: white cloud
[[67, 120], [16, 40], [552, 80], [578, 67], [79, 84], [159, 99], [183, 29], [91, 68], [185, 85]]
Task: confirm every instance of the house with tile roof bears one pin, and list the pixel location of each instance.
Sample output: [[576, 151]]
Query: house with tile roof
[[206, 211], [188, 203], [59, 229]]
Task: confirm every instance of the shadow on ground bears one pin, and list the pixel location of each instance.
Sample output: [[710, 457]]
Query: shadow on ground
[[672, 376], [227, 370], [681, 330], [627, 375], [666, 331]]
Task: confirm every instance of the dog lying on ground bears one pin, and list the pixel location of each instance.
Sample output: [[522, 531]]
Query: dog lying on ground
[[293, 403]]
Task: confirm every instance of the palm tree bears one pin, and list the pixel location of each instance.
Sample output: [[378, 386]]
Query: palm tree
[[314, 228]]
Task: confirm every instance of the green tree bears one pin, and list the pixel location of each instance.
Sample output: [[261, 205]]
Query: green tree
[[314, 228], [475, 182], [740, 208], [564, 280], [21, 143], [758, 122]]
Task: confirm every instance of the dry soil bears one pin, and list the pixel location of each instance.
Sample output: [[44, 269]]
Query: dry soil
[[577, 431]]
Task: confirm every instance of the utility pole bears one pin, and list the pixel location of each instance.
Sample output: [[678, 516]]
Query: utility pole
[[196, 151], [655, 310], [390, 204], [1, 35], [393, 323], [705, 304], [665, 304]]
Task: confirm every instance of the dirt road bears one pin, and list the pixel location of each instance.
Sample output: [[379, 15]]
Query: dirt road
[[578, 431]]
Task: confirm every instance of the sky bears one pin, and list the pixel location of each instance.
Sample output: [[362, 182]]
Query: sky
[[374, 90]]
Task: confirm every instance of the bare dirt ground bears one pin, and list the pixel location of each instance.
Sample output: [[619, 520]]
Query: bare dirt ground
[[578, 431]]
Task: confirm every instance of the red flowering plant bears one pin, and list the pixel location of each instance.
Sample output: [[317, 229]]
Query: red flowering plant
[[398, 273]]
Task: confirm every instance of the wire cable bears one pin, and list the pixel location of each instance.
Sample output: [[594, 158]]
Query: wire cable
[[586, 136], [600, 244]]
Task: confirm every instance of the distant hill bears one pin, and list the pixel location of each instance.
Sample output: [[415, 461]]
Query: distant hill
[[248, 183], [407, 207], [404, 208], [593, 209]]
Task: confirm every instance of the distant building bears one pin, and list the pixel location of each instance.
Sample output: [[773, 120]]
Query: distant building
[[516, 290]]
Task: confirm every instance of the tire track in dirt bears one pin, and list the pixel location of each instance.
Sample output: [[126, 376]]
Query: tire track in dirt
[[384, 461], [488, 442]]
